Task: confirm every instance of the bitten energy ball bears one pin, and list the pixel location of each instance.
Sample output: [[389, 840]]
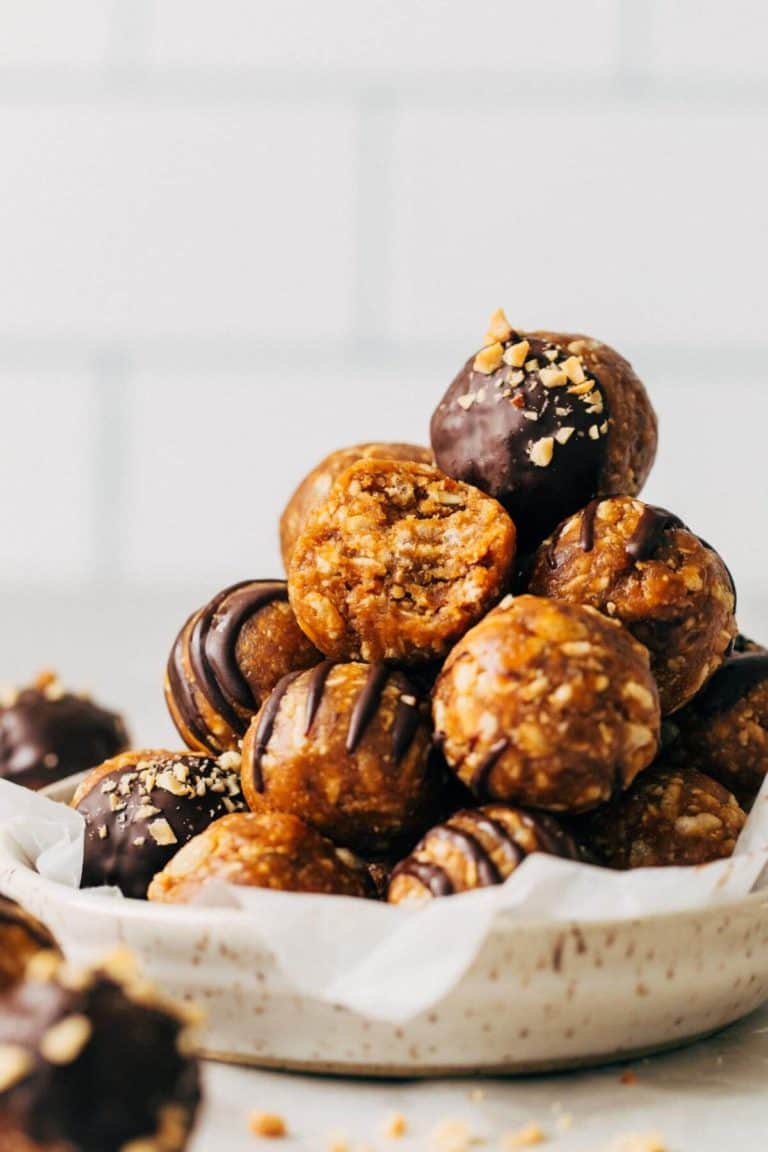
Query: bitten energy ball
[[398, 563], [724, 730], [141, 807], [261, 850], [92, 1062], [21, 938], [227, 659], [642, 566], [316, 485], [47, 733], [345, 747], [475, 848], [543, 422], [547, 704], [669, 816]]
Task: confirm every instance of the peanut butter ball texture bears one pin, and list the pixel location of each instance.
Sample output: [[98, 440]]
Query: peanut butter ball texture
[[317, 484], [21, 938], [398, 563], [545, 421], [141, 807], [346, 748], [48, 733], [548, 705], [92, 1061], [724, 730], [261, 850], [669, 816], [475, 848], [227, 659], [641, 565]]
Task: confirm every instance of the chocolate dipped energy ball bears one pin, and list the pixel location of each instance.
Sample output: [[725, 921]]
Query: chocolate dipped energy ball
[[91, 1061], [547, 704], [227, 659], [317, 484], [261, 850], [543, 422], [345, 747], [21, 938], [398, 563], [669, 816], [724, 730], [141, 807], [475, 848], [47, 733], [641, 565]]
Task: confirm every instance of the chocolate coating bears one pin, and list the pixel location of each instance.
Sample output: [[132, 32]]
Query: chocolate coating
[[641, 565], [21, 938], [670, 816], [261, 850], [141, 807], [347, 748], [88, 1064], [227, 659], [47, 734], [476, 848], [724, 730], [317, 484], [539, 441]]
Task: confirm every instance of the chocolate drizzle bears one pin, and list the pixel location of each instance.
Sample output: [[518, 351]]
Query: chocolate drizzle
[[315, 687], [731, 682], [587, 527], [485, 767], [181, 689], [265, 727], [470, 846], [433, 876], [404, 728], [366, 704], [649, 531]]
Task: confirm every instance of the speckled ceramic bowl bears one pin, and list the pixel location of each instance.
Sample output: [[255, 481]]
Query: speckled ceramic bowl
[[538, 995]]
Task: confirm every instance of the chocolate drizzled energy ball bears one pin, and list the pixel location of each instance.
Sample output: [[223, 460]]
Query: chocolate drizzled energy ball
[[47, 733], [317, 484], [474, 849], [227, 659], [141, 807], [724, 730], [21, 938], [641, 565], [91, 1061], [261, 850], [398, 562], [543, 422], [345, 747], [547, 704], [669, 816]]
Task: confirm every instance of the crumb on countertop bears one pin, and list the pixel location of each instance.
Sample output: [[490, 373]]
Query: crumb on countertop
[[524, 1137], [454, 1136], [396, 1126], [629, 1077], [641, 1142], [267, 1124]]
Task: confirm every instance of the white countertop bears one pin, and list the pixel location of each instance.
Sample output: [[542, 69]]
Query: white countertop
[[709, 1097]]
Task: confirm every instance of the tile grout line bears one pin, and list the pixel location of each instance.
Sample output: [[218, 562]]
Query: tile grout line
[[112, 372]]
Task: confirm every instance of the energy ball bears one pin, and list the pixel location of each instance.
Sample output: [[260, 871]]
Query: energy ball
[[91, 1061], [724, 730], [317, 484], [545, 421], [261, 850], [345, 747], [398, 563], [669, 816], [21, 938], [47, 733], [227, 659], [474, 849], [548, 705], [141, 807], [639, 564]]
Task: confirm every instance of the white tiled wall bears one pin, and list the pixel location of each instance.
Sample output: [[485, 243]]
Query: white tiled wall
[[236, 235]]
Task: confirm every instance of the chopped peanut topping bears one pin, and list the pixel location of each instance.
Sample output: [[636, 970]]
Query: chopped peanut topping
[[499, 328], [541, 451], [489, 359], [553, 377], [516, 353]]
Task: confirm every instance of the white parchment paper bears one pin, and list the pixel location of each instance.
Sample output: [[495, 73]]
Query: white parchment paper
[[392, 962]]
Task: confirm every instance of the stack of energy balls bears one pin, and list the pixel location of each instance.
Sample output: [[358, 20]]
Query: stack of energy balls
[[483, 650]]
